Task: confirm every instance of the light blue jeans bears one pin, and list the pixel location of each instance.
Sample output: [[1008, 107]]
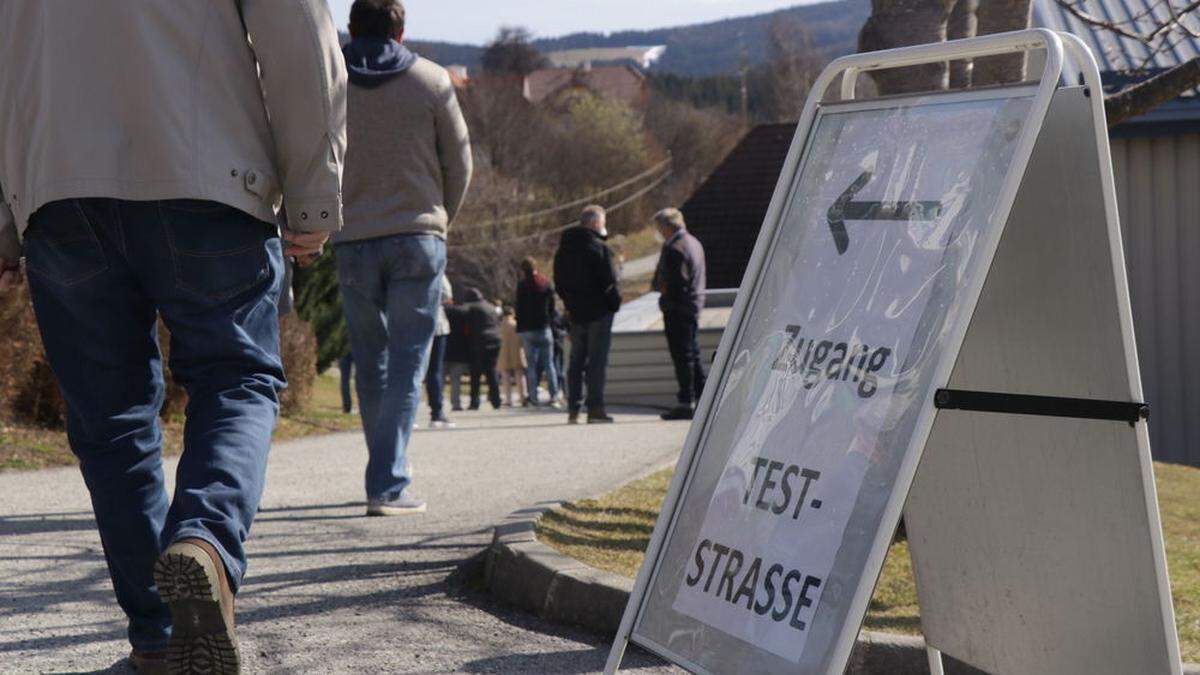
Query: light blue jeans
[[390, 295], [539, 357]]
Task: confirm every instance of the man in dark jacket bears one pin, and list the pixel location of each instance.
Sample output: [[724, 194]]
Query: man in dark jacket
[[458, 353], [483, 330], [680, 279], [535, 312], [586, 277]]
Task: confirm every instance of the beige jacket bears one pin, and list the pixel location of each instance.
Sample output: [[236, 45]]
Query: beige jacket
[[512, 353], [409, 162], [164, 99]]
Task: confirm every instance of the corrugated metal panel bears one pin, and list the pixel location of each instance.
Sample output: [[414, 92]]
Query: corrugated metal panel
[[1187, 199], [1115, 53], [640, 371], [1158, 188]]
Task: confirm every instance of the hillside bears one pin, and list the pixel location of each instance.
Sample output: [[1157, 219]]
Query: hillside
[[720, 46], [448, 53], [701, 49]]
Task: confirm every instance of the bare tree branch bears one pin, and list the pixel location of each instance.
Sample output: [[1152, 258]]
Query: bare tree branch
[[1117, 27], [1142, 97]]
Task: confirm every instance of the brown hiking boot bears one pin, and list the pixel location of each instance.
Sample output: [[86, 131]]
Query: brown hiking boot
[[599, 416], [573, 417], [191, 580]]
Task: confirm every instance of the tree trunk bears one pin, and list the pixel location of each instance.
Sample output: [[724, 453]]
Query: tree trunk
[[962, 24], [1000, 16], [900, 23]]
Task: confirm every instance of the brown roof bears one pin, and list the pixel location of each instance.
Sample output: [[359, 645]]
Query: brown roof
[[622, 83], [727, 210]]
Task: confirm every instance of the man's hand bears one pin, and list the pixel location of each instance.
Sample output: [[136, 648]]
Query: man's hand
[[10, 275], [304, 246]]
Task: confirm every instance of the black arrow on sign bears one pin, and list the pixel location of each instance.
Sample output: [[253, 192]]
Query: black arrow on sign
[[846, 209]]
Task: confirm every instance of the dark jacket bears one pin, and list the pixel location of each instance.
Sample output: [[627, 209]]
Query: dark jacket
[[681, 277], [457, 347], [585, 276], [535, 304], [483, 324]]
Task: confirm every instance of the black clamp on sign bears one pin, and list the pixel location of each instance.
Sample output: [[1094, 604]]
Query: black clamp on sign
[[1052, 406]]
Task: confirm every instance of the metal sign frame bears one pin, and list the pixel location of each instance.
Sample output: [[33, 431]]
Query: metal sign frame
[[848, 68]]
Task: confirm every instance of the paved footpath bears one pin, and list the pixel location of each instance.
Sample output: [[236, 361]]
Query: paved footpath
[[329, 590]]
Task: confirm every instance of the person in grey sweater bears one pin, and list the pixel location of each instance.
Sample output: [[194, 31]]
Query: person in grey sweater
[[408, 164]]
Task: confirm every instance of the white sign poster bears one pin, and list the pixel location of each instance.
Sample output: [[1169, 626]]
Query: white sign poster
[[817, 410]]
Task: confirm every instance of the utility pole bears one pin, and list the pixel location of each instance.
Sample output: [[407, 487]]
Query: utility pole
[[744, 72], [745, 96]]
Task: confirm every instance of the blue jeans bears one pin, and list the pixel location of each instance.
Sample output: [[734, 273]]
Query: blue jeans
[[589, 354], [100, 271], [390, 294], [539, 357]]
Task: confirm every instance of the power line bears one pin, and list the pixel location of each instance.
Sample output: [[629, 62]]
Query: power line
[[536, 235], [568, 205]]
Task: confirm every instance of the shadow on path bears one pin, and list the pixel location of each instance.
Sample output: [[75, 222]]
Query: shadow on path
[[123, 666], [570, 662], [39, 523]]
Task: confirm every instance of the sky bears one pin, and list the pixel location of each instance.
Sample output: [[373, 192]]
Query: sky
[[476, 21]]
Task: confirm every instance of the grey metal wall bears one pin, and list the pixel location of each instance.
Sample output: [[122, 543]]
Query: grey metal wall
[[640, 371], [1158, 187]]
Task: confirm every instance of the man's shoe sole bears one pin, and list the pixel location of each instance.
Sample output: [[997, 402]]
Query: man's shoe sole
[[380, 511], [201, 640]]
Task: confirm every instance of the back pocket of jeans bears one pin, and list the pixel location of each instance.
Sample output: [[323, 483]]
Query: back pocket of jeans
[[218, 251], [61, 245]]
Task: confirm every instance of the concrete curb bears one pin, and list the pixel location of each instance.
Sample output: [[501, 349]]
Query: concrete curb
[[530, 575]]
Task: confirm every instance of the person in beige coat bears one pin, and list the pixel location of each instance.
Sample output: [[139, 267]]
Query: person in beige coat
[[146, 149], [512, 362]]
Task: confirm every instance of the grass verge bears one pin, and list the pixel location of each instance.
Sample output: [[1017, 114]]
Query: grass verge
[[24, 448], [612, 532]]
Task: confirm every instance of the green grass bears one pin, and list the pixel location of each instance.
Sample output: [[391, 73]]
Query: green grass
[[26, 448], [322, 415], [611, 533]]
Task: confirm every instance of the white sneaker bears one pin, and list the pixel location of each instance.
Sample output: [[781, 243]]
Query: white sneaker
[[400, 506]]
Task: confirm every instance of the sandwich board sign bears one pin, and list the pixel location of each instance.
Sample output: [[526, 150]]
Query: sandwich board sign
[[936, 311]]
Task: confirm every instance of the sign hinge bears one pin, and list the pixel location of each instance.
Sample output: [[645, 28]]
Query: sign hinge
[[1052, 406]]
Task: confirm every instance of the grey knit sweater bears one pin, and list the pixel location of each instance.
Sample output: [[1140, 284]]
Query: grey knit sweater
[[408, 158]]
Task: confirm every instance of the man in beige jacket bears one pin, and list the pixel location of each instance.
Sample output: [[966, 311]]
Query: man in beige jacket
[[141, 173]]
